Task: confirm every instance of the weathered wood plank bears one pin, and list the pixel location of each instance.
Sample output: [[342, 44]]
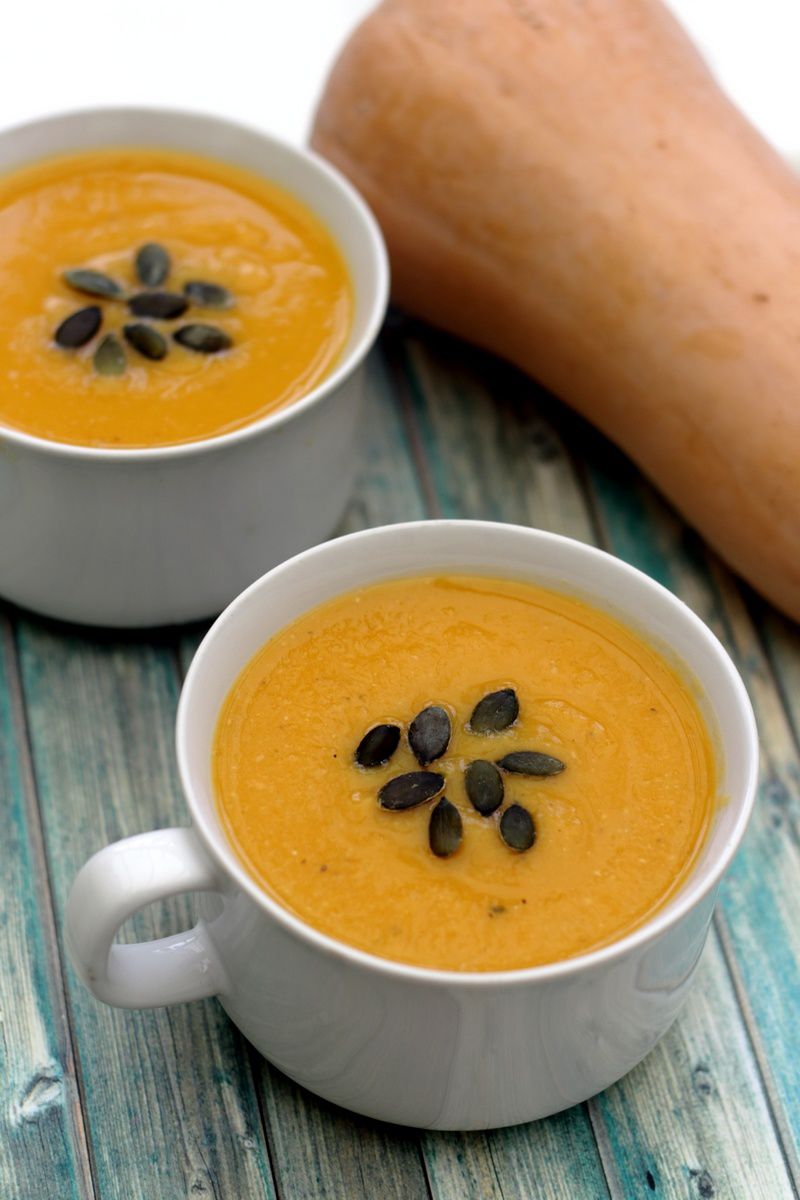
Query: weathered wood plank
[[541, 1161], [44, 1150], [387, 488], [490, 454], [169, 1099], [687, 1153], [782, 644], [760, 897], [324, 1153], [318, 1151], [442, 402]]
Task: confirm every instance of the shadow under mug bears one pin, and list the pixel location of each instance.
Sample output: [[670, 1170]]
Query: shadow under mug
[[139, 537], [437, 1049]]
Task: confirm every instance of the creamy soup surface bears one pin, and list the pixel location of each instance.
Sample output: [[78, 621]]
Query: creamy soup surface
[[286, 315], [617, 830]]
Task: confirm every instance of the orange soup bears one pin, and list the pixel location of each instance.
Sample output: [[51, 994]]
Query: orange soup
[[464, 773], [152, 297]]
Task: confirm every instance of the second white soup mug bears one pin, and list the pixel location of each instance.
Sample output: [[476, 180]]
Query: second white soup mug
[[137, 537], [437, 1049]]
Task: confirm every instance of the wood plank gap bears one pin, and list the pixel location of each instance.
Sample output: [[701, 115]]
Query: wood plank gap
[[581, 469], [210, 1174], [403, 380], [604, 1150], [768, 650], [253, 1069], [175, 651], [497, 1177], [426, 1175], [27, 772], [783, 1133]]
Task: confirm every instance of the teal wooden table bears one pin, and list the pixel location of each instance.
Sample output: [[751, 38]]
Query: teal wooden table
[[174, 1103]]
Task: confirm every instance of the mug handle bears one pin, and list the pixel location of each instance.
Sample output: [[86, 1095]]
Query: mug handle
[[113, 885]]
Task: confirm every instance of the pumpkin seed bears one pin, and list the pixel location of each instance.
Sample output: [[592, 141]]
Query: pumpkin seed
[[531, 762], [147, 340], [484, 785], [152, 264], [80, 328], [377, 745], [517, 828], [166, 305], [93, 283], [429, 734], [410, 790], [205, 339], [109, 357], [495, 712], [207, 295], [445, 829]]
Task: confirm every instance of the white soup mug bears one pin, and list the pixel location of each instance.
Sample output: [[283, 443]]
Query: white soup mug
[[439, 1049], [138, 537]]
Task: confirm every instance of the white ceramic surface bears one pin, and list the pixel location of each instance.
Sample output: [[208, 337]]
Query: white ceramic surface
[[436, 1049], [150, 537]]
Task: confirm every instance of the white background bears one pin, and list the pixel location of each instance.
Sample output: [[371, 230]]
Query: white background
[[263, 61]]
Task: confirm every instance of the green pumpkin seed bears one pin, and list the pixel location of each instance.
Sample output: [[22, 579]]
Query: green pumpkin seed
[[80, 328], [204, 339], [152, 264], [93, 283], [410, 790], [517, 828], [495, 712], [429, 734], [378, 745], [531, 762], [147, 340], [207, 295], [164, 305], [445, 829], [484, 785], [109, 357]]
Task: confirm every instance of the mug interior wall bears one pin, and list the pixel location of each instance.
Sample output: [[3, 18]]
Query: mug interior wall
[[201, 134], [339, 566]]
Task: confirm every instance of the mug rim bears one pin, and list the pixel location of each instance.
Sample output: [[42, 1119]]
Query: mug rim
[[696, 888], [376, 308]]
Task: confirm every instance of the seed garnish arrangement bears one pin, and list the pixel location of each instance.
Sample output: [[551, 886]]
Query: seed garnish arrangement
[[152, 267], [429, 737]]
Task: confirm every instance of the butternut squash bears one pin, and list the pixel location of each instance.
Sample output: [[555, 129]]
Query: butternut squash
[[565, 184]]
